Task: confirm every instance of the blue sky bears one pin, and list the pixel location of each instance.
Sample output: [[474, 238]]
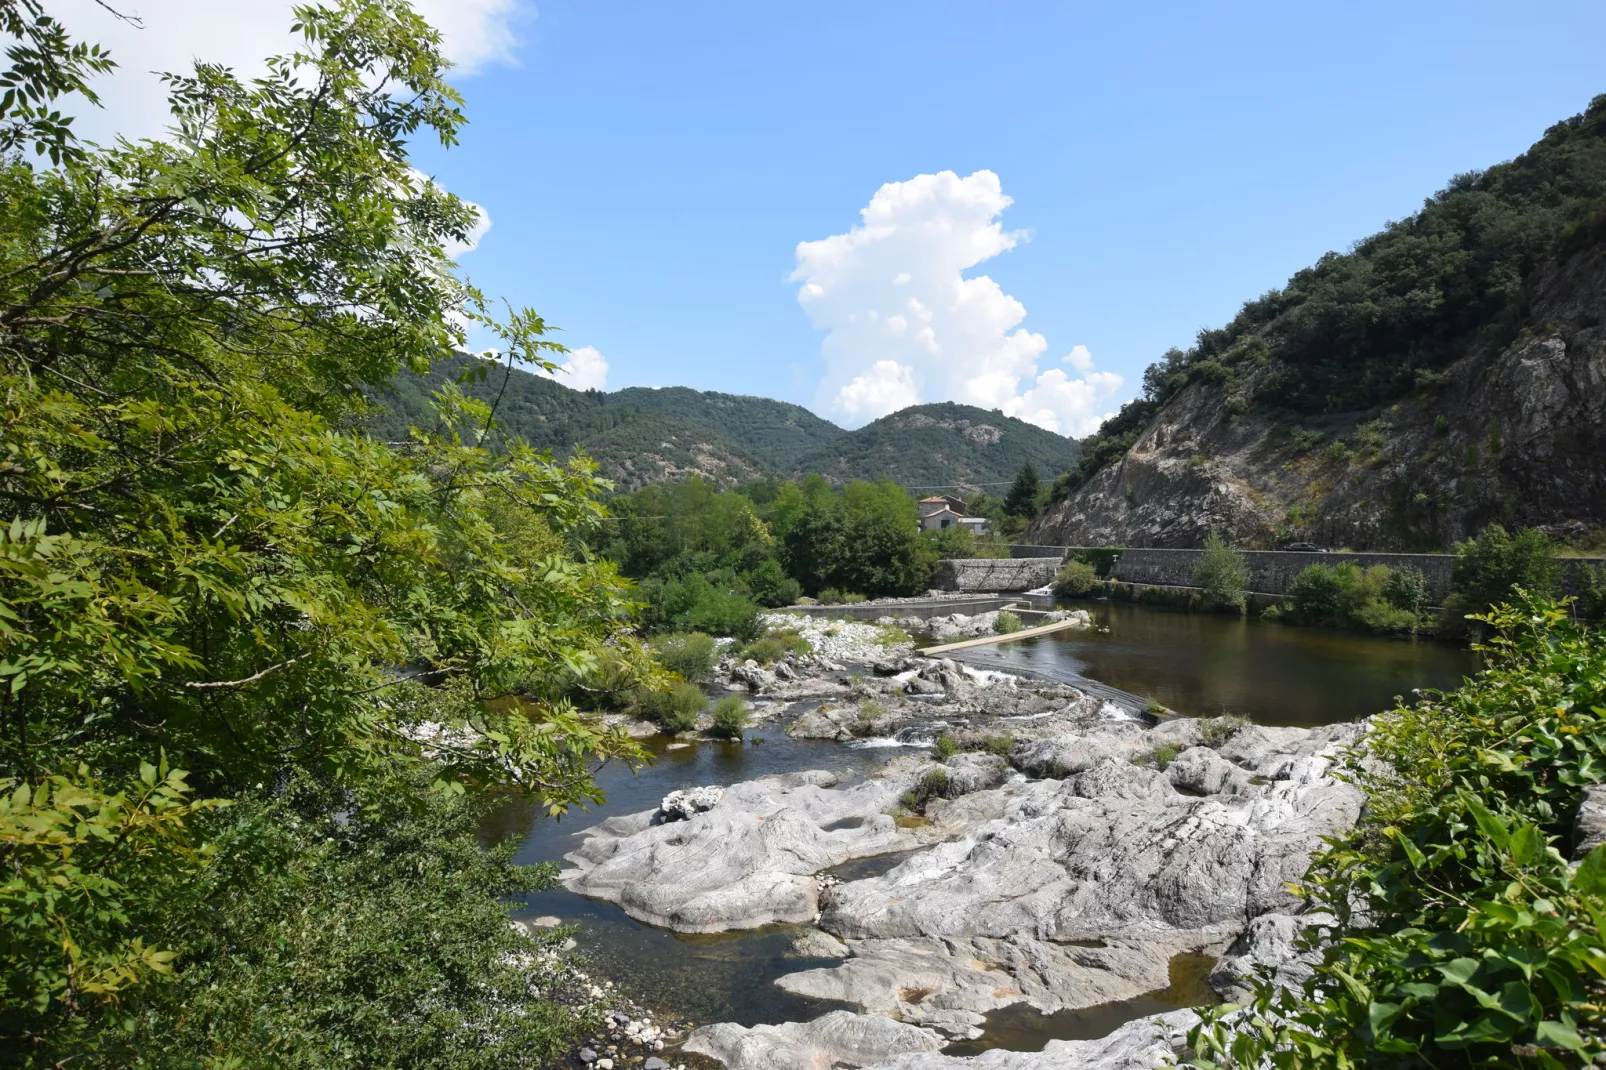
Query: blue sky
[[649, 170]]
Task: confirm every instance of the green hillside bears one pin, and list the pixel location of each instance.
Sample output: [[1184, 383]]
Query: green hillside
[[642, 435], [775, 432], [941, 444]]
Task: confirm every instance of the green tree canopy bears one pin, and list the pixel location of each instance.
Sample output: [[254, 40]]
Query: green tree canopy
[[209, 588]]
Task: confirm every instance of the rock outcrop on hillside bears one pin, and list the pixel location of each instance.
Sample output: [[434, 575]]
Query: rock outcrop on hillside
[[1517, 435]]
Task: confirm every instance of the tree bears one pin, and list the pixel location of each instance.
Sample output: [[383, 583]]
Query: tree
[[208, 587], [1493, 565], [1021, 501], [1222, 575]]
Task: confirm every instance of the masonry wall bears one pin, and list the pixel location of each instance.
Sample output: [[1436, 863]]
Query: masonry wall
[[996, 574], [1272, 571]]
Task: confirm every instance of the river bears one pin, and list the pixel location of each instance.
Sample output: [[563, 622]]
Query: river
[[1193, 664]]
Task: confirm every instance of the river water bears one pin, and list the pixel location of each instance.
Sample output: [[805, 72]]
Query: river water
[[1197, 665], [1203, 665]]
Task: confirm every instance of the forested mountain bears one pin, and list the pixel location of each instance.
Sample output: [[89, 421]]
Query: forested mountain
[[641, 435], [1447, 372], [774, 432], [945, 444]]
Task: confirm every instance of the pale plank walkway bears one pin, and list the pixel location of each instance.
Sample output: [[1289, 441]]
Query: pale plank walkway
[[989, 640]]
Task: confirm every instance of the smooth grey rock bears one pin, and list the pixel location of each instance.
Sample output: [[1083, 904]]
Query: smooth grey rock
[[1269, 942], [840, 1038], [1141, 1044], [688, 802], [971, 771], [541, 924], [814, 944], [654, 1063], [758, 680], [1202, 771], [950, 985], [1589, 827], [747, 862], [1112, 853], [587, 1055]]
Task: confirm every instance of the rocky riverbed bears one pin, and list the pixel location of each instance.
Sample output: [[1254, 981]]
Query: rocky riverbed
[[1059, 860]]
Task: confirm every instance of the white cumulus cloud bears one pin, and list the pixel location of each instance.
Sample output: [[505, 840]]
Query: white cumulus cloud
[[173, 34], [905, 325], [586, 369]]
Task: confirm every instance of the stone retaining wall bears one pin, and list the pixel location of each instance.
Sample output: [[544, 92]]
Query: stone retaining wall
[[925, 610], [1272, 571], [996, 574]]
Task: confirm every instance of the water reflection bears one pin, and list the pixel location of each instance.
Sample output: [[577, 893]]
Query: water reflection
[[1205, 665], [1020, 1028]]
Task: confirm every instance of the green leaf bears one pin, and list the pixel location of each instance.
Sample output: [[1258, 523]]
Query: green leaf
[[1490, 825], [1590, 877], [1527, 844], [1554, 1034]]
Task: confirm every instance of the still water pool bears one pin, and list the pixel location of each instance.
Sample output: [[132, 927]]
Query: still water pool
[[1204, 665], [1196, 665]]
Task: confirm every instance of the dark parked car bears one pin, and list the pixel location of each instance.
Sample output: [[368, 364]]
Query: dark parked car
[[1305, 548]]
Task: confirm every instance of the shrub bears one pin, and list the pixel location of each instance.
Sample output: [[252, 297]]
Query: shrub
[[1315, 593], [1592, 592], [1464, 935], [1406, 588], [765, 651], [944, 747], [1347, 596], [731, 717], [1218, 730], [1006, 622], [1489, 567], [1002, 744], [1222, 575], [1102, 558], [673, 709], [892, 635], [771, 586], [1076, 579], [691, 654], [774, 646], [1160, 757], [870, 713], [830, 597], [692, 603], [933, 785]]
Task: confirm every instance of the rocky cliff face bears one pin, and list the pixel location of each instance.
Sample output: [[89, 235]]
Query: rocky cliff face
[[1515, 435]]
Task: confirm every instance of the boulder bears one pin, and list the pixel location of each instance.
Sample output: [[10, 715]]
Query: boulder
[[972, 771], [1141, 1044], [814, 944], [1201, 771], [748, 861], [951, 985], [1270, 942], [1589, 827], [686, 803], [836, 1039]]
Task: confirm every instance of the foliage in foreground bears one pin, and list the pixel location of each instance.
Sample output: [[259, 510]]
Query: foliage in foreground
[[211, 591], [323, 936], [1464, 938]]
